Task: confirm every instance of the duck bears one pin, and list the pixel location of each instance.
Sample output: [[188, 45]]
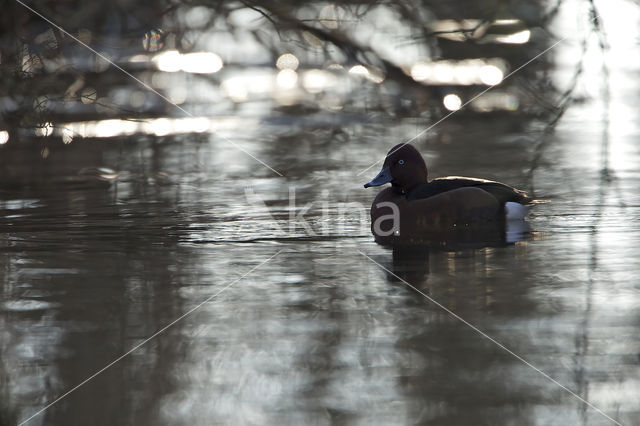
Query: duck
[[414, 207]]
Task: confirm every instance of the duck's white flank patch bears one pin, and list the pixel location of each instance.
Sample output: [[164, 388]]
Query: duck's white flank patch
[[515, 230], [515, 211]]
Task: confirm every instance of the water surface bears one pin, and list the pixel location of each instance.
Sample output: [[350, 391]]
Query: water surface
[[325, 330]]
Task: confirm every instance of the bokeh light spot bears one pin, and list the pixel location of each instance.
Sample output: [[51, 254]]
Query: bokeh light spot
[[452, 102], [45, 129], [153, 41], [201, 63], [490, 75], [315, 81], [197, 62], [359, 70], [287, 61], [159, 127], [235, 89], [287, 79], [168, 61], [464, 72], [115, 127], [421, 71], [67, 134], [521, 37]]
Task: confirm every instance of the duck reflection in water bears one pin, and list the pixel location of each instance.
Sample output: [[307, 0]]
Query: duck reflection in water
[[411, 256]]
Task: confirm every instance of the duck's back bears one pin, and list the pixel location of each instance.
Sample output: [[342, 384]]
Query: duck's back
[[502, 192]]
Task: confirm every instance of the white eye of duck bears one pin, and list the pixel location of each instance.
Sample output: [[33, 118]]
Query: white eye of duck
[[401, 162]]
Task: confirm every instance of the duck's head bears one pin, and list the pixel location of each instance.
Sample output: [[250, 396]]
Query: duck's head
[[403, 167]]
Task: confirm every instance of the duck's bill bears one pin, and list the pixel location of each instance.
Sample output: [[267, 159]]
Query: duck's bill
[[383, 177]]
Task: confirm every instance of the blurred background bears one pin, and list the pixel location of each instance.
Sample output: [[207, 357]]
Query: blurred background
[[153, 153]]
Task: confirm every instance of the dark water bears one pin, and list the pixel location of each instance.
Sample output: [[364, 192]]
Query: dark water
[[287, 312]]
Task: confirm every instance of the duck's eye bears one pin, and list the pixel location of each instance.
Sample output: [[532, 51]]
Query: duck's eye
[[401, 162]]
